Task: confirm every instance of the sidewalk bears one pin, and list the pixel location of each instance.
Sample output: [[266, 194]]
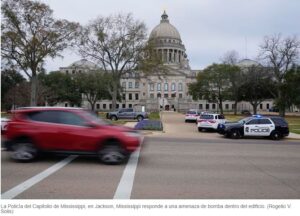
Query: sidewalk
[[293, 136]]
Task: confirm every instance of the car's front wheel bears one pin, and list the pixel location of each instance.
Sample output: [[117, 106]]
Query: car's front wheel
[[24, 151], [235, 134], [112, 155], [114, 118], [140, 118]]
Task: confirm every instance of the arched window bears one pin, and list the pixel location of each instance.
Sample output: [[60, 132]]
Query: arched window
[[166, 87], [158, 87], [173, 88], [180, 87]]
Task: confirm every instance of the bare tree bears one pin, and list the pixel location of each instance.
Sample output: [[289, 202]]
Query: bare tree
[[117, 43], [30, 34], [235, 76], [280, 54], [231, 57]]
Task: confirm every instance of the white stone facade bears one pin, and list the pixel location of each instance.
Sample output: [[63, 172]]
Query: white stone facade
[[169, 92]]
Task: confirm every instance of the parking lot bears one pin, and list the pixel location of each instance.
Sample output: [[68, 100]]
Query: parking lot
[[179, 163]]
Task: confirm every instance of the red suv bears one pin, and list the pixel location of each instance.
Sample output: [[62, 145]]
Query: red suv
[[35, 130]]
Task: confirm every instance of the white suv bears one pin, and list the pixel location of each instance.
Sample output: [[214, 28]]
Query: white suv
[[191, 115], [210, 121]]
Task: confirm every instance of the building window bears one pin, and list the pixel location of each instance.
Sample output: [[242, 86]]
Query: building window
[[207, 106], [180, 95], [166, 95], [144, 84], [159, 95], [67, 72], [260, 106], [66, 104], [79, 71], [166, 87], [130, 85], [97, 106], [158, 87], [124, 84], [144, 93], [227, 106], [117, 106], [268, 106], [137, 85], [110, 106], [173, 95], [180, 87], [73, 71], [213, 106], [104, 106], [233, 106], [136, 96], [130, 96], [151, 95], [130, 105], [123, 105], [124, 96], [200, 106], [151, 86], [173, 87]]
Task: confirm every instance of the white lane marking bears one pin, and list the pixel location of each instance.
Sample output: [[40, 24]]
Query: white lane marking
[[126, 182], [36, 179]]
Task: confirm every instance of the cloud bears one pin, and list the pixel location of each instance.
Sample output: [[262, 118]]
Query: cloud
[[208, 28]]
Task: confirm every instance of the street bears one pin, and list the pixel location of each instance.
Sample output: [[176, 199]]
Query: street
[[180, 163]]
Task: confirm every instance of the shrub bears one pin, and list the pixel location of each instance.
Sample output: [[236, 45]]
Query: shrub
[[149, 125]]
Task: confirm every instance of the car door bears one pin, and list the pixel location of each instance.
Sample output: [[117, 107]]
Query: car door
[[75, 133], [251, 128], [265, 127], [122, 114], [43, 125]]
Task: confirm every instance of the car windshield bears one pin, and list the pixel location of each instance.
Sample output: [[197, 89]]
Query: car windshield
[[244, 120], [192, 112], [207, 117]]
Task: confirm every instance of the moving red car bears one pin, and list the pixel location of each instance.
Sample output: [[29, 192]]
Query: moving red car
[[34, 130]]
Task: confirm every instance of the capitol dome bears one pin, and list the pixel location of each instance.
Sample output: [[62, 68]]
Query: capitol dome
[[165, 29]]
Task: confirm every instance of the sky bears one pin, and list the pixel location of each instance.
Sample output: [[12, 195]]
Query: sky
[[208, 28]]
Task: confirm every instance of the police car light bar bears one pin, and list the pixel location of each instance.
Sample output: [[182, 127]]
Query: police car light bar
[[257, 116]]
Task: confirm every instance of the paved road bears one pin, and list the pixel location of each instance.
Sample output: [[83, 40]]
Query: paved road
[[178, 164]]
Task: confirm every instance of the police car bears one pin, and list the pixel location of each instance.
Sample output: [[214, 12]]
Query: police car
[[191, 115], [256, 126], [209, 121]]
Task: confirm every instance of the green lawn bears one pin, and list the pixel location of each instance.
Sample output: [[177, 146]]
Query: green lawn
[[294, 121]]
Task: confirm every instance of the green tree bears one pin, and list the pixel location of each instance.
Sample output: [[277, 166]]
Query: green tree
[[60, 88], [257, 85], [94, 86], [280, 54], [292, 87], [212, 84], [10, 78], [30, 34]]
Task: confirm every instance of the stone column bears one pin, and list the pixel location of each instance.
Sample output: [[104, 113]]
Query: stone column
[[168, 55]]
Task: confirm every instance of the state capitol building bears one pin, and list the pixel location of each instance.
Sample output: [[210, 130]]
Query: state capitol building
[[167, 92]]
